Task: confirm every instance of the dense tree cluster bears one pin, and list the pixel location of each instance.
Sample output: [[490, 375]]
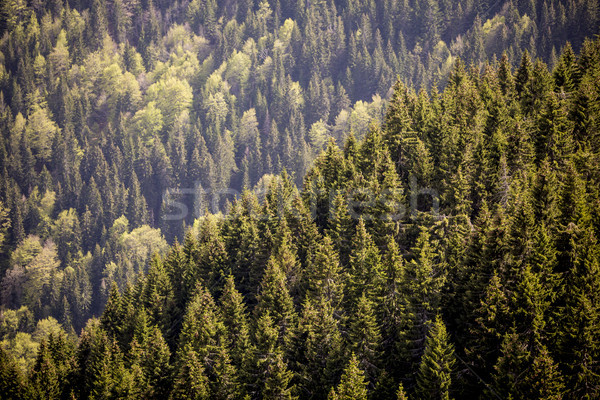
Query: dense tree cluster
[[157, 111], [452, 252]]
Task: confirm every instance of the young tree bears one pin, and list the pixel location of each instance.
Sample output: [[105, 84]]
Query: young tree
[[352, 385], [434, 377], [364, 338], [364, 266]]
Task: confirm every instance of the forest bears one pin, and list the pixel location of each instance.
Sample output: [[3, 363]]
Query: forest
[[320, 199]]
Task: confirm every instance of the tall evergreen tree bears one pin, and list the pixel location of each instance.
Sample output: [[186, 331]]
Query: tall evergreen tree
[[364, 337], [352, 385], [434, 378]]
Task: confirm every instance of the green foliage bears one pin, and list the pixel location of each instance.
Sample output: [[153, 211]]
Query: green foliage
[[11, 378], [471, 193], [352, 385], [434, 377]]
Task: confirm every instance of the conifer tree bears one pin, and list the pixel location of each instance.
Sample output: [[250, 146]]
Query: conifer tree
[[340, 228], [364, 266], [434, 377], [45, 376], [285, 254], [304, 229], [392, 308], [112, 317], [11, 379], [235, 319], [523, 75], [424, 295], [316, 348], [505, 77], [190, 381], [566, 73], [364, 337], [325, 278], [150, 352], [272, 377], [578, 341], [352, 385], [401, 395], [545, 379], [274, 297], [204, 331], [277, 384], [243, 247], [158, 296]]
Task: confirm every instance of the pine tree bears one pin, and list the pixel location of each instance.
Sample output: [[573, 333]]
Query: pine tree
[[316, 348], [11, 379], [364, 338], [235, 319], [274, 297], [579, 319], [325, 278], [112, 317], [364, 266], [190, 381], [401, 395], [352, 385], [45, 376], [423, 296], [340, 228], [434, 377], [392, 308], [158, 297]]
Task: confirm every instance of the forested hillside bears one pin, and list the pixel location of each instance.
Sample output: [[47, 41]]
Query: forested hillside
[[419, 215]]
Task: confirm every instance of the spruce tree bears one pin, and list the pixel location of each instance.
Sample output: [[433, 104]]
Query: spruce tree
[[364, 336], [401, 394], [274, 297], [316, 348], [364, 266], [45, 377], [580, 319], [424, 295], [235, 319], [545, 378], [11, 379], [112, 317], [204, 331], [272, 377], [158, 297], [278, 381], [434, 377], [190, 380], [353, 385], [325, 278], [391, 310], [340, 228]]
